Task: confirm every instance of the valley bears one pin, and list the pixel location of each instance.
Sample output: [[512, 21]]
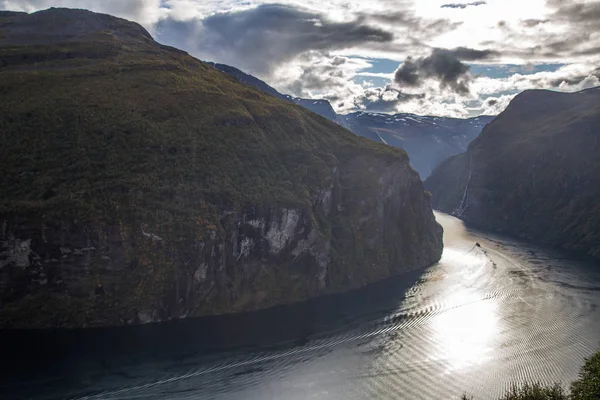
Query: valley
[[428, 140], [172, 228], [480, 319], [532, 173]]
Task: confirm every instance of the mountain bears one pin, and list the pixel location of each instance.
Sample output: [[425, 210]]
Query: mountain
[[249, 80], [427, 140], [321, 107], [534, 172], [140, 184]]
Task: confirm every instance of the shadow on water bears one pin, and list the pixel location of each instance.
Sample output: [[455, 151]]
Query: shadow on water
[[509, 310], [50, 357], [532, 247]]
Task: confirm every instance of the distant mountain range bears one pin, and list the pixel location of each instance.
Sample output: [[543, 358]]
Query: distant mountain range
[[427, 140], [534, 172]]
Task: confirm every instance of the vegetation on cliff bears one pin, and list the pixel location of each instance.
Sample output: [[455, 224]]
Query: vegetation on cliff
[[130, 171], [534, 172]]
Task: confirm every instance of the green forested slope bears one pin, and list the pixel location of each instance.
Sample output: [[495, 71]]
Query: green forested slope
[[533, 172], [139, 184]]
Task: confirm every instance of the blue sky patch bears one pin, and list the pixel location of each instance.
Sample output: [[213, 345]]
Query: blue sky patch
[[374, 81], [505, 71], [381, 66], [387, 66]]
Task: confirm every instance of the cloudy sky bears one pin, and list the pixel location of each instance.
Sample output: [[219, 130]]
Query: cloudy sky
[[429, 57]]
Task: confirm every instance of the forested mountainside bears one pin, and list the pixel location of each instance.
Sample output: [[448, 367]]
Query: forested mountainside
[[140, 184], [428, 140], [534, 172]]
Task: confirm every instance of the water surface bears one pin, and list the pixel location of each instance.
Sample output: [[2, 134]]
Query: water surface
[[482, 318]]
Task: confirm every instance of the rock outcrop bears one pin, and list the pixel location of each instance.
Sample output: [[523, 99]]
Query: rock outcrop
[[534, 172], [140, 185]]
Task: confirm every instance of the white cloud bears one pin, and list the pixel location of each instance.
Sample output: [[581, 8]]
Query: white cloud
[[560, 79], [146, 12], [495, 105], [587, 83], [321, 52]]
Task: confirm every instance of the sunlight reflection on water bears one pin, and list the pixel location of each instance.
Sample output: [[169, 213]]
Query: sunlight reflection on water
[[472, 324], [464, 332]]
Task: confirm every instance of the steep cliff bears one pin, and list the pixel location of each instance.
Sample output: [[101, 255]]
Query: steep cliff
[[533, 172], [140, 184]]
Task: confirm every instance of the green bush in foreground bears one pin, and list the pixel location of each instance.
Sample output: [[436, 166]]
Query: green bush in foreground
[[536, 391], [586, 387]]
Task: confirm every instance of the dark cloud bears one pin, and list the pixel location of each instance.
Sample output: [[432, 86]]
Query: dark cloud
[[466, 54], [408, 73], [531, 23], [589, 51], [491, 102], [259, 39], [568, 43], [582, 20], [567, 31], [392, 17], [425, 28], [386, 99], [338, 61], [464, 5], [587, 13], [444, 65]]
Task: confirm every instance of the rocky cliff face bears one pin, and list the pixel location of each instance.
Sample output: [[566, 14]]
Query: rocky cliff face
[[142, 185], [533, 172]]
